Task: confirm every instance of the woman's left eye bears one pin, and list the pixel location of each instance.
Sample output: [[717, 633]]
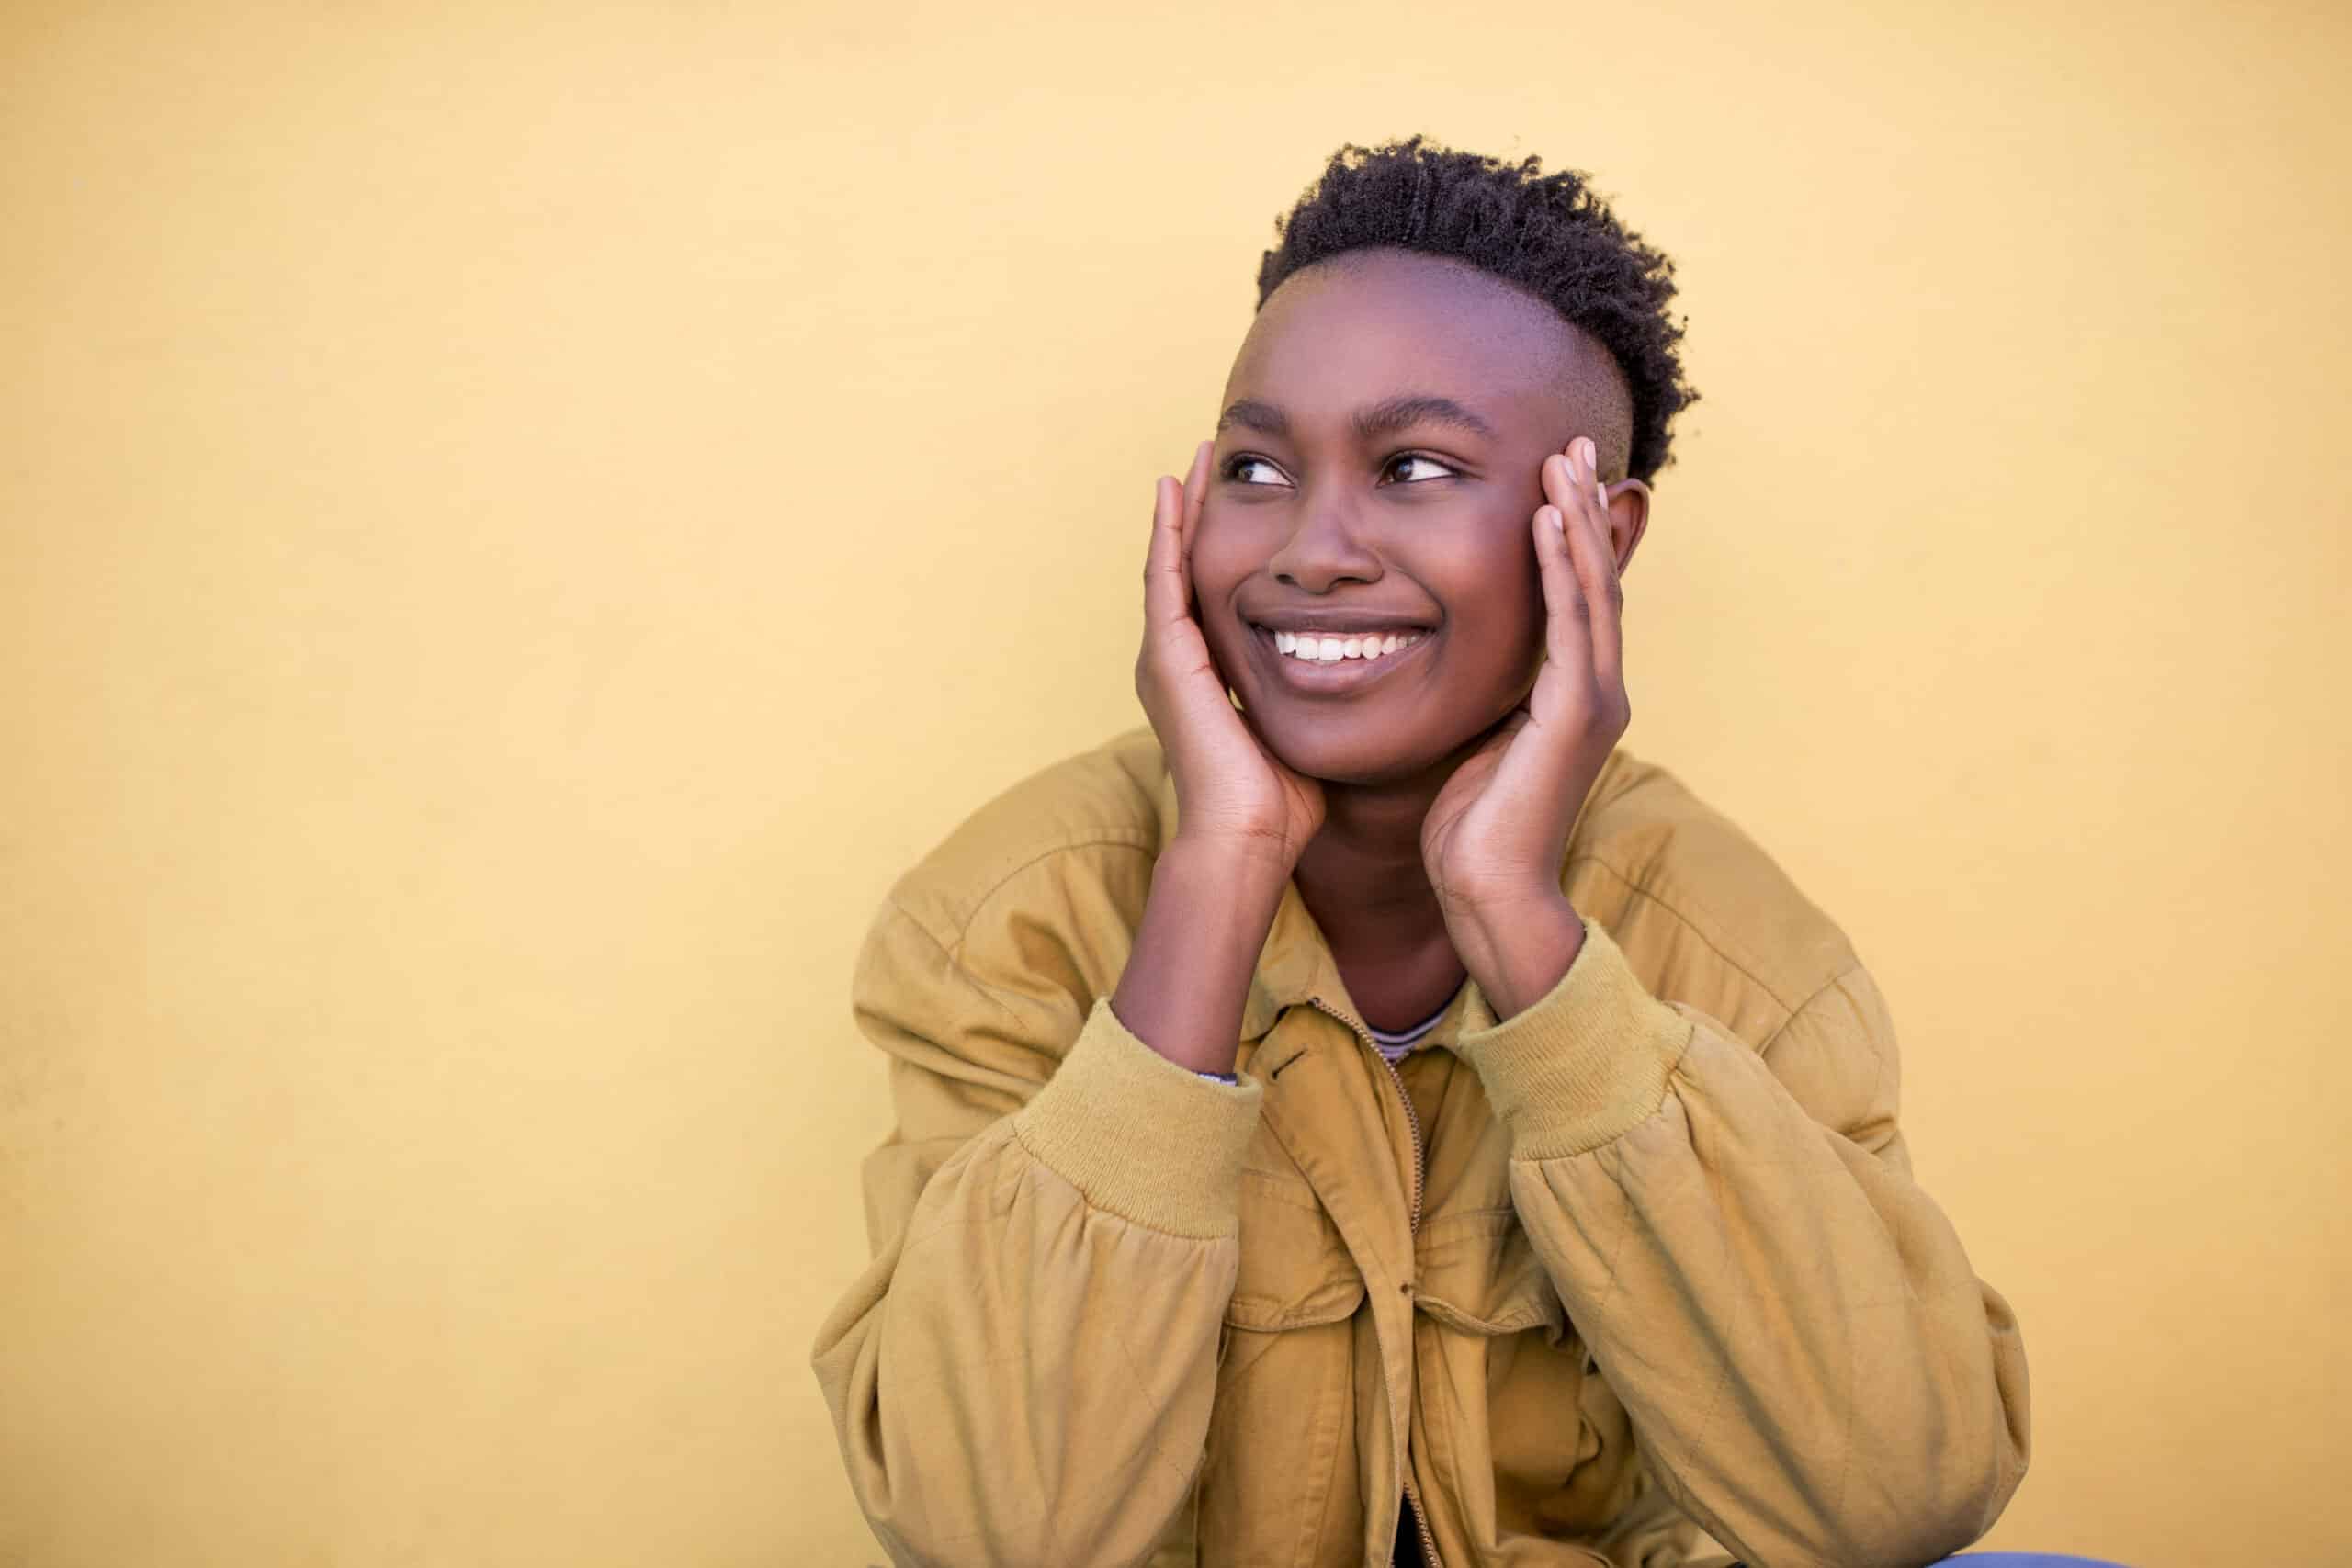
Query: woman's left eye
[[1437, 469]]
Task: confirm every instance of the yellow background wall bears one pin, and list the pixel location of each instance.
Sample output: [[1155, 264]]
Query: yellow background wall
[[520, 519]]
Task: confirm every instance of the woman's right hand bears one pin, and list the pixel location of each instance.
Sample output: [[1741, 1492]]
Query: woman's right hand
[[1230, 790]]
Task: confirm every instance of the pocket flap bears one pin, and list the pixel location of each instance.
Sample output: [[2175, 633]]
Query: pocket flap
[[1295, 1270], [1480, 1274]]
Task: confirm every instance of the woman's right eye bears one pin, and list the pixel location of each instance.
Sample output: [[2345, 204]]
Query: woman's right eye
[[1244, 468]]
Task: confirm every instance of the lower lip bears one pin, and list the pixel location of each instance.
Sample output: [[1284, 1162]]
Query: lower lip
[[1335, 677]]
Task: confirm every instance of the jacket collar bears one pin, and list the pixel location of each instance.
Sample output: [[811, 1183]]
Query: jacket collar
[[1296, 962]]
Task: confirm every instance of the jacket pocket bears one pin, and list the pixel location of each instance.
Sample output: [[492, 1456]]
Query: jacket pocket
[[1295, 1270], [1278, 1483], [1511, 1414], [1479, 1274]]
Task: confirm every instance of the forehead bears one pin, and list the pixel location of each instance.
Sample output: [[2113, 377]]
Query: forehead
[[1368, 324]]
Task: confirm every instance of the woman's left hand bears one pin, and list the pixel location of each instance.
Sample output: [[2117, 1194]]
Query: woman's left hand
[[1492, 840]]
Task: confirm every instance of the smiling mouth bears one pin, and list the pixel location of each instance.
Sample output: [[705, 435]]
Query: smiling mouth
[[1310, 648], [1320, 661]]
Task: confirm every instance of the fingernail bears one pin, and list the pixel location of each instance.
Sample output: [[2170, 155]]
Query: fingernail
[[1600, 489], [1591, 455]]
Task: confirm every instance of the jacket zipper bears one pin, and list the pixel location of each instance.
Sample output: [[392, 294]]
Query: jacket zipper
[[1412, 1118], [1413, 1123]]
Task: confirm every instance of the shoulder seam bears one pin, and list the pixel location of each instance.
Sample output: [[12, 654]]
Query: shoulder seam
[[1689, 924], [1819, 991], [892, 904], [1695, 930], [1135, 838]]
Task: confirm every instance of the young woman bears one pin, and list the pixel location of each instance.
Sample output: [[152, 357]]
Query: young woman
[[1368, 1111]]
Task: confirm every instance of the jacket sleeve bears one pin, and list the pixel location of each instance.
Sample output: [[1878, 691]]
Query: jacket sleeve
[[1811, 1369], [1023, 1372]]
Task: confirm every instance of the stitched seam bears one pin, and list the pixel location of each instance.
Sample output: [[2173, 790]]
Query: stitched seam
[[1457, 1422], [1121, 838], [996, 1203], [1314, 1528], [1831, 984], [1692, 926], [1288, 1191], [1846, 1467], [1303, 1317], [1127, 1352], [1613, 1163], [953, 964]]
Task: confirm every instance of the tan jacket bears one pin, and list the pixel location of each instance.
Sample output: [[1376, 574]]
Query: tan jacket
[[1645, 1260]]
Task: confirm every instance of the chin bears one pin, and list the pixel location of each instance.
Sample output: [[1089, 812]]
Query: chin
[[1359, 752], [1374, 748]]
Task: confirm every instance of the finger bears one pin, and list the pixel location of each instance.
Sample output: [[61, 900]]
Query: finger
[[1197, 492], [1567, 636], [1163, 565], [1579, 467], [1560, 478], [1604, 594], [1568, 498]]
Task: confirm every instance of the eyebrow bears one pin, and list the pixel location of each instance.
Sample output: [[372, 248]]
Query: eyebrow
[[1383, 418]]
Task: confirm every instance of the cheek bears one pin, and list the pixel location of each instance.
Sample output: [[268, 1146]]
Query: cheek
[[1218, 562], [1498, 581], [1221, 562], [1501, 623]]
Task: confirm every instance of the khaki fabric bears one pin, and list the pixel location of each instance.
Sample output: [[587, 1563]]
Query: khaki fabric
[[1672, 1295]]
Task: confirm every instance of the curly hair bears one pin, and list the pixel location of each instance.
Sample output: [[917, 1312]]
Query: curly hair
[[1548, 234]]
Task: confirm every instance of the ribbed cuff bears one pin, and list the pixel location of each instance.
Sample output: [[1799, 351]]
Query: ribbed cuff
[[1586, 1062], [1140, 1136]]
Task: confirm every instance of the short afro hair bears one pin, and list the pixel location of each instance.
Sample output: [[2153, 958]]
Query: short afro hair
[[1548, 234]]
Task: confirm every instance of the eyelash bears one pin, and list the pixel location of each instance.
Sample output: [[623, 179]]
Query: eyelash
[[1235, 464]]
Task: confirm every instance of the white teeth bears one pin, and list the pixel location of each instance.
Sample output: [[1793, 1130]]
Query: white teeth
[[1331, 650]]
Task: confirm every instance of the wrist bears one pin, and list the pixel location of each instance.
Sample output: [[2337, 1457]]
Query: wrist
[[1250, 863], [1204, 923], [1518, 950]]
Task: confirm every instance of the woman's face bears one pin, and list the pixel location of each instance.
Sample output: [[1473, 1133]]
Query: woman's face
[[1376, 471]]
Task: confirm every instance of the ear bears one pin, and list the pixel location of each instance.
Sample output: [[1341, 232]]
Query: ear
[[1629, 515]]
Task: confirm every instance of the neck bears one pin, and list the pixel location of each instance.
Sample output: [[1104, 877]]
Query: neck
[[1367, 855], [1362, 879], [1362, 876]]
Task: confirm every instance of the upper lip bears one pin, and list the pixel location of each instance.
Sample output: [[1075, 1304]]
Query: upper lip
[[1335, 623]]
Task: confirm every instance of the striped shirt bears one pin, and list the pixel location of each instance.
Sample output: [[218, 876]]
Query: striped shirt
[[1391, 1043]]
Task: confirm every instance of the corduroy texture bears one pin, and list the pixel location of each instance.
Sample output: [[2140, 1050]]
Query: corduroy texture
[[1586, 1062], [1140, 1136]]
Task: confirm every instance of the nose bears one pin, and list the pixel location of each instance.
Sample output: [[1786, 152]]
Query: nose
[[1322, 549]]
